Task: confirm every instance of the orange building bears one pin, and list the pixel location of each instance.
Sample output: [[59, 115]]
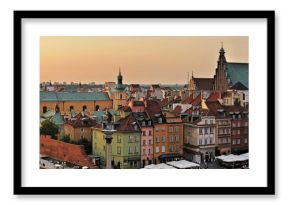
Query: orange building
[[74, 101]]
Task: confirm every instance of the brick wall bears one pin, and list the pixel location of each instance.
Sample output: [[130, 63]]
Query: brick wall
[[74, 154]]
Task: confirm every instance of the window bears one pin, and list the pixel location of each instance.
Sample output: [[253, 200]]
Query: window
[[225, 130], [205, 121], [163, 148], [149, 151], [130, 150], [84, 108], [234, 124], [156, 139], [200, 131], [150, 132], [150, 142], [246, 124], [244, 96], [144, 133], [136, 139], [157, 129], [246, 140], [200, 141], [171, 139], [211, 130], [176, 138], [176, 129], [44, 109], [221, 131], [238, 141], [211, 140], [82, 129], [149, 123], [156, 149], [163, 138], [136, 150], [239, 132], [234, 141], [143, 123], [211, 121], [118, 150], [163, 129], [71, 108], [239, 124], [170, 129], [144, 142], [144, 151], [118, 139], [219, 140], [97, 107], [206, 130], [131, 138]]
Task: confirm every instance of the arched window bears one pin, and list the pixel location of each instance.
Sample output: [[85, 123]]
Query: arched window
[[97, 107], [84, 108], [44, 109], [71, 108]]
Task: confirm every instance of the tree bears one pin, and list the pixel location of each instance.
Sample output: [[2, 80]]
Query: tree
[[87, 145], [49, 128], [64, 137]]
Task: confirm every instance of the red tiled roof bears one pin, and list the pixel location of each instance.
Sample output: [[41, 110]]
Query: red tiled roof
[[153, 108], [197, 101], [127, 124], [135, 86], [214, 95], [81, 120], [125, 109], [177, 110]]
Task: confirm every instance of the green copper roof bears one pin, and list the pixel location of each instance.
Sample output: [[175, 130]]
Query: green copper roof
[[238, 72], [57, 119], [73, 96]]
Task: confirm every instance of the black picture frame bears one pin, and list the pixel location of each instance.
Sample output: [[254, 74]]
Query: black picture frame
[[268, 190]]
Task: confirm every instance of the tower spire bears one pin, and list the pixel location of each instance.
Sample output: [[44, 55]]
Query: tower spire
[[119, 70]]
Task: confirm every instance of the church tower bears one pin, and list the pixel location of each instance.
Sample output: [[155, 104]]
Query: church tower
[[120, 93], [220, 78]]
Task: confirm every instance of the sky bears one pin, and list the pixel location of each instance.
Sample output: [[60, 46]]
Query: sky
[[142, 59]]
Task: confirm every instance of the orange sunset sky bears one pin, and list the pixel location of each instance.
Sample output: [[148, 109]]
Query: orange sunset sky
[[143, 60]]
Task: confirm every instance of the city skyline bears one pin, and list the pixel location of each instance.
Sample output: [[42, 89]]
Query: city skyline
[[143, 60]]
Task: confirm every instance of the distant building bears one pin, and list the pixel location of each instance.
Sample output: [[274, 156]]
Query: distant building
[[228, 74]]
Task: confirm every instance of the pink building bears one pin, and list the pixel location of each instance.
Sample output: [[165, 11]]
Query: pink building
[[146, 137], [136, 106]]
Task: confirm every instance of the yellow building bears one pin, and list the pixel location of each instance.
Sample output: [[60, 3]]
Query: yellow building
[[74, 101]]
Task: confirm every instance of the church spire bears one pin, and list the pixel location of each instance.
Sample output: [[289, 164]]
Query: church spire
[[120, 80], [222, 53]]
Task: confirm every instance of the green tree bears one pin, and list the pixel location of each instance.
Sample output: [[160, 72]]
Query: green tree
[[87, 145], [49, 128], [65, 137]]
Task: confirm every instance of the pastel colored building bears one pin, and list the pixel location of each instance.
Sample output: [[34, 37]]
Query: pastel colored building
[[125, 144], [146, 137], [199, 139]]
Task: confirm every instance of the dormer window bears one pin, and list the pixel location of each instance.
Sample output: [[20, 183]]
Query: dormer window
[[159, 120]]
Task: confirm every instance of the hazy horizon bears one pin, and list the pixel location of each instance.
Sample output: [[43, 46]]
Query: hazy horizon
[[142, 59]]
